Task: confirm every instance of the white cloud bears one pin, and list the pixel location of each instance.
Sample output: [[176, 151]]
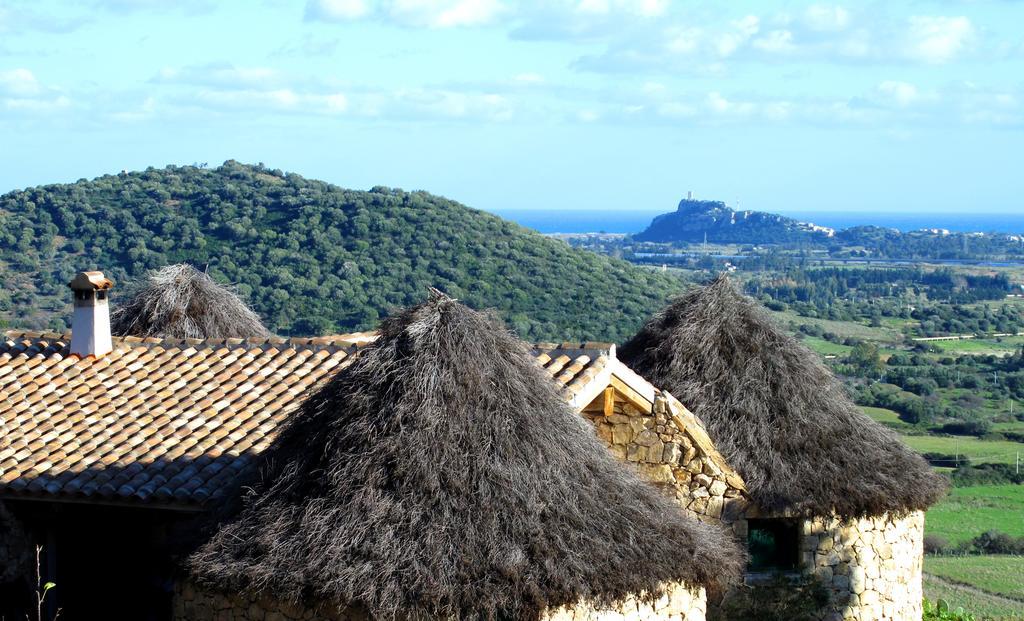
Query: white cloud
[[275, 100], [20, 91], [37, 105], [823, 18], [642, 8], [336, 10], [221, 75], [902, 94], [776, 42], [19, 82], [938, 39], [528, 78], [415, 13]]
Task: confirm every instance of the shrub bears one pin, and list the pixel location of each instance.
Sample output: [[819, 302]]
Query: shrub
[[966, 428], [995, 542], [985, 474], [935, 544], [939, 611]]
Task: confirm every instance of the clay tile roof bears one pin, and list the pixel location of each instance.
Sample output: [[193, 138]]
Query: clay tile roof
[[87, 280], [171, 421]]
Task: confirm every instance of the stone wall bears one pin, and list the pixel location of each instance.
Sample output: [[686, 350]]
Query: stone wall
[[192, 603], [679, 603], [674, 453], [874, 565]]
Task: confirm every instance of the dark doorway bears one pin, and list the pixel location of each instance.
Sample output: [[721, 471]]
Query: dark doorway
[[108, 562]]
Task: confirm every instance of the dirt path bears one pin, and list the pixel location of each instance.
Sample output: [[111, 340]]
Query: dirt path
[[954, 584]]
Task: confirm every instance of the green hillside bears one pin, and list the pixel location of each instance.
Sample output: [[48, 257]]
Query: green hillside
[[310, 257]]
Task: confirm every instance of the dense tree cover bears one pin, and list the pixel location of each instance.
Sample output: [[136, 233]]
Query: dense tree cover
[[874, 241], [309, 257], [940, 301], [948, 393], [822, 286]]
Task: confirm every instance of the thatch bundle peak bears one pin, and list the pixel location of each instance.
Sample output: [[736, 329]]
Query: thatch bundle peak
[[440, 475], [179, 301], [775, 410]]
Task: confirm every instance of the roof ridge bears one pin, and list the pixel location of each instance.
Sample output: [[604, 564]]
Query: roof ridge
[[356, 339]]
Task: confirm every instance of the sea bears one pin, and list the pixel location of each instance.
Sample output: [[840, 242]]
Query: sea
[[581, 221]]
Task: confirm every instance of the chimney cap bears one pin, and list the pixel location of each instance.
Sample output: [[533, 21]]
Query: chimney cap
[[90, 281]]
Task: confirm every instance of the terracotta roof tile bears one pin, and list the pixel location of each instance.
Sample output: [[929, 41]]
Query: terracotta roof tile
[[173, 421]]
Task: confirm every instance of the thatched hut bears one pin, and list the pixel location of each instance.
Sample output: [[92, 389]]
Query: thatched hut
[[834, 493], [179, 301], [441, 475]]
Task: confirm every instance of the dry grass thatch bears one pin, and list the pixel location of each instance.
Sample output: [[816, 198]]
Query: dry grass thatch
[[775, 410], [442, 476], [179, 301]]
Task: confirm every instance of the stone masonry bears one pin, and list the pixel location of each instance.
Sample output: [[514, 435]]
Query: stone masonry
[[873, 565], [670, 448], [679, 603]]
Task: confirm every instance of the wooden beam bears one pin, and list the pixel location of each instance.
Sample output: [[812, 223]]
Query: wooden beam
[[631, 395], [609, 401]]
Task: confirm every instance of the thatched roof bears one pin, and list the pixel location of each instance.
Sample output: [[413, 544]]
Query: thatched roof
[[179, 301], [775, 411], [441, 475]]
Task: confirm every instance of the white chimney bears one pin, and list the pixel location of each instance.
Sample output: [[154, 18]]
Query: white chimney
[[90, 327]]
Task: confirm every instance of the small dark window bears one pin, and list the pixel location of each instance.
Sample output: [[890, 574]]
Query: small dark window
[[101, 295], [773, 544]]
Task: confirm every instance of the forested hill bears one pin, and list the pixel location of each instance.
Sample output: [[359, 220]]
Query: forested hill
[[310, 257]]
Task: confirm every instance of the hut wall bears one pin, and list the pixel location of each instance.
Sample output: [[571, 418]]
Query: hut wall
[[874, 565], [192, 603], [669, 457], [680, 603]]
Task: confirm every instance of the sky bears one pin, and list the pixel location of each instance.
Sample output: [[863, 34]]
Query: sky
[[577, 104]]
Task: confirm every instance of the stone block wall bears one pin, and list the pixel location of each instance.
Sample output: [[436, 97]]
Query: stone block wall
[[192, 603], [874, 565], [669, 452], [679, 603]]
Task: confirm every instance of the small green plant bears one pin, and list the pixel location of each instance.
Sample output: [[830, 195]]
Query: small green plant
[[42, 589], [939, 611]]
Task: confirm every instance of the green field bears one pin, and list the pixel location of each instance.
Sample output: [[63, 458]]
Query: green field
[[826, 348], [1004, 345], [979, 451], [1016, 426], [969, 511], [1002, 575], [885, 416], [845, 329], [981, 605]]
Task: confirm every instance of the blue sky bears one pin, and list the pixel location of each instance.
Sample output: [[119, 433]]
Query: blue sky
[[581, 104]]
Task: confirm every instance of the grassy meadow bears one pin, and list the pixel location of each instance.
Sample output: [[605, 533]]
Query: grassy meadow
[[1002, 575], [978, 450], [969, 511], [982, 605]]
